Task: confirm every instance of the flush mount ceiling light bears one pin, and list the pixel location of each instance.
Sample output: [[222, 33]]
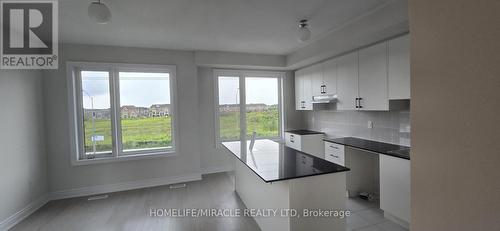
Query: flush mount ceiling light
[[303, 31], [99, 12]]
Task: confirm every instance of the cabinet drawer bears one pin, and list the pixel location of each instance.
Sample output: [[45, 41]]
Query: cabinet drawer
[[335, 153], [293, 141]]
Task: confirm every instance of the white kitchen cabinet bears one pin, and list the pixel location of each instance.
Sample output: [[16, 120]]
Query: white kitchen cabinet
[[347, 81], [330, 77], [335, 153], [317, 82], [298, 89], [363, 80], [311, 143], [399, 67], [395, 186], [303, 90], [373, 92]]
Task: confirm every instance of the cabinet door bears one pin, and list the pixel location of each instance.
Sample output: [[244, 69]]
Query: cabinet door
[[330, 76], [373, 78], [299, 88], [307, 91], [347, 81], [399, 68], [316, 79], [395, 186]]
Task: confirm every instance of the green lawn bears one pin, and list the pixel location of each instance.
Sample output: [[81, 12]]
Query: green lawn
[[155, 132], [265, 123], [136, 133]]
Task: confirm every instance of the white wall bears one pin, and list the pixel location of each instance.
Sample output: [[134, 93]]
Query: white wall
[[212, 158], [23, 172], [64, 176], [197, 152]]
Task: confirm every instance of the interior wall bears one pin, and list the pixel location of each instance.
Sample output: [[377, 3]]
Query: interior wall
[[23, 172], [63, 176], [455, 87], [213, 158]]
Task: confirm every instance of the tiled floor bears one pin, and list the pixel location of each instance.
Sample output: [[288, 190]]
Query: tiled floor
[[366, 216]]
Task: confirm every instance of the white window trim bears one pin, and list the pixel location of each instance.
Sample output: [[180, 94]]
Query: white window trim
[[241, 74], [75, 127]]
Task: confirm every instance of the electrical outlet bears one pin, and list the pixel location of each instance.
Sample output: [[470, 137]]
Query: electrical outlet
[[370, 124]]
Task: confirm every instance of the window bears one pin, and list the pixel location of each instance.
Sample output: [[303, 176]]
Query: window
[[121, 111], [258, 95]]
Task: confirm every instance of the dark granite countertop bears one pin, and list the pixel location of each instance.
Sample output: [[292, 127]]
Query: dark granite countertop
[[373, 146], [304, 132], [272, 161]]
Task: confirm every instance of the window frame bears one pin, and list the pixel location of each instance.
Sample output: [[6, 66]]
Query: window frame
[[242, 74], [75, 107]]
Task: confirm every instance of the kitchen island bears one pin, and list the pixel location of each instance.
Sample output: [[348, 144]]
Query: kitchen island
[[275, 177]]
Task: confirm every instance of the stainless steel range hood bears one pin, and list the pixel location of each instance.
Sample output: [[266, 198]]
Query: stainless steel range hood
[[331, 98]]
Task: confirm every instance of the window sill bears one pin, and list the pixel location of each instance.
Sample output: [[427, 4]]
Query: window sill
[[104, 160]]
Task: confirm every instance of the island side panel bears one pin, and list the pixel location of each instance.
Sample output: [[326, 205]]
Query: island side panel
[[326, 192], [256, 194]]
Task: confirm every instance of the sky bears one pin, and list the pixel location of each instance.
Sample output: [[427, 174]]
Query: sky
[[138, 89], [145, 89], [258, 90]]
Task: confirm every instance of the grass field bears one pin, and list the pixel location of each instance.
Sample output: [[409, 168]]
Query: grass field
[[265, 123], [156, 131], [136, 133]]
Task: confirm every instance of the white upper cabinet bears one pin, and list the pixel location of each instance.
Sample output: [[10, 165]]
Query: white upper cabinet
[[373, 92], [347, 81], [330, 76], [399, 68], [303, 90], [362, 80], [317, 79], [299, 89], [307, 92]]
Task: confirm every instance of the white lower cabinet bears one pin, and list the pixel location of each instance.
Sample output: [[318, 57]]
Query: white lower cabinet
[[395, 187], [310, 143], [335, 153]]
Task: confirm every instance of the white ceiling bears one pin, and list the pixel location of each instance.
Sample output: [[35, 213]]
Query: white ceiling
[[252, 26]]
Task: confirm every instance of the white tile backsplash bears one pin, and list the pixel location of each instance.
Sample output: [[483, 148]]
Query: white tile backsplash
[[388, 126]]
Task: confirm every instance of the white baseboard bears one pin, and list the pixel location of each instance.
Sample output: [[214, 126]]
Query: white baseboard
[[92, 190], [123, 186], [24, 212], [217, 169]]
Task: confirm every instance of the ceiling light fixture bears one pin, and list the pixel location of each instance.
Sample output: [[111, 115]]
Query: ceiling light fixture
[[303, 31], [99, 12]]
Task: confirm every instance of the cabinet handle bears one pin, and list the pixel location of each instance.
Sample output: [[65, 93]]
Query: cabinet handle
[[334, 147], [334, 156], [359, 100], [323, 89], [356, 102]]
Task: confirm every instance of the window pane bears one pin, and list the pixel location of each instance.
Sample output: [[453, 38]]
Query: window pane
[[145, 111], [262, 115], [96, 112], [229, 108]]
